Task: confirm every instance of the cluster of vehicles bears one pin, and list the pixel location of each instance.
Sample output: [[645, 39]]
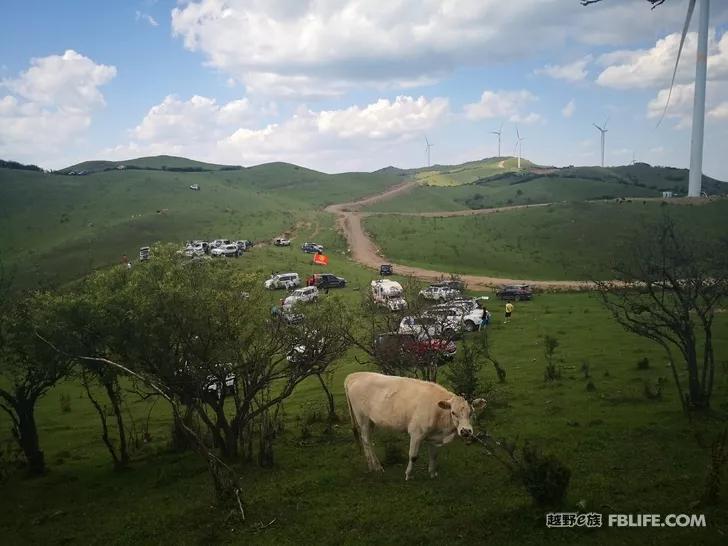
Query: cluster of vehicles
[[218, 248]]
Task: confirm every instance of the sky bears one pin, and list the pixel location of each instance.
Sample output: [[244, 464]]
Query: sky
[[355, 85]]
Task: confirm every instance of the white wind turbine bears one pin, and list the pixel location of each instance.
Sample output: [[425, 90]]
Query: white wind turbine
[[603, 131], [519, 146], [427, 148], [498, 132]]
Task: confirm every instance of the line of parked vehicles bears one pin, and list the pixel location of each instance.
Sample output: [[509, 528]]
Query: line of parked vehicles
[[218, 248]]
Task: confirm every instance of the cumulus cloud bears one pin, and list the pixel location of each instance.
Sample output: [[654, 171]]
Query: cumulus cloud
[[51, 103], [568, 110], [644, 68], [341, 139], [292, 47], [681, 103], [510, 105], [572, 72]]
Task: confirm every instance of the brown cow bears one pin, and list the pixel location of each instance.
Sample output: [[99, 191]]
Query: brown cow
[[427, 411]]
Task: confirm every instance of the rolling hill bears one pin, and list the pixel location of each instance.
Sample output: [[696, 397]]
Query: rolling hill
[[160, 162]]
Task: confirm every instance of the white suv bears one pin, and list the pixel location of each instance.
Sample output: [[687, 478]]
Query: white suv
[[229, 250], [283, 280], [307, 294], [439, 293], [429, 327]]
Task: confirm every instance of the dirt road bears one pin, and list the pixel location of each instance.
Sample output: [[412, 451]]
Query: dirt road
[[364, 251]]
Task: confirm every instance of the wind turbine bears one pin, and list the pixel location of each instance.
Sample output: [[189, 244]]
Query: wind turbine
[[427, 148], [498, 132], [602, 130], [519, 146]]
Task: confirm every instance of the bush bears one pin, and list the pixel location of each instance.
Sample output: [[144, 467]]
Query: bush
[[65, 400], [643, 363], [393, 454], [552, 372], [545, 477]]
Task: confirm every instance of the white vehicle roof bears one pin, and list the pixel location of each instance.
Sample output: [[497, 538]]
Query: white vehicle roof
[[386, 284]]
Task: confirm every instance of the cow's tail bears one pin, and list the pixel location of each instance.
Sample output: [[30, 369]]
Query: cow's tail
[[354, 425]]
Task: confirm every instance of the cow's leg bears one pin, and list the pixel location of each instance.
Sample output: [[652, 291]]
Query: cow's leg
[[432, 449], [366, 430], [414, 449]]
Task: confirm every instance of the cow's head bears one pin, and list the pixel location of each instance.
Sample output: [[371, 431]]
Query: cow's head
[[460, 412]]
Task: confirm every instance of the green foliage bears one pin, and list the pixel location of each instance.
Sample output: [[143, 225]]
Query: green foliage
[[552, 372], [643, 363], [464, 372], [545, 477]]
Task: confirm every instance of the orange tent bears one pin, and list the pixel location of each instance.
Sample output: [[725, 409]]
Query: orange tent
[[320, 259]]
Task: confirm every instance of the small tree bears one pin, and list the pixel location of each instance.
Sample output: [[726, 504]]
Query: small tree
[[463, 374], [667, 288], [30, 367], [550, 344]]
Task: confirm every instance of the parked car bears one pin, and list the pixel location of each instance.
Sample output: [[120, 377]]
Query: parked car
[[388, 294], [219, 242], [144, 254], [386, 269], [327, 280], [196, 249], [307, 294], [229, 250], [430, 327], [395, 346], [312, 248], [243, 245], [439, 293], [454, 284], [280, 241], [283, 280], [459, 316], [515, 292], [214, 385]]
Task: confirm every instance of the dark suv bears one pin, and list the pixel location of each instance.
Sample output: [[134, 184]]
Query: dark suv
[[515, 292], [386, 269], [327, 280]]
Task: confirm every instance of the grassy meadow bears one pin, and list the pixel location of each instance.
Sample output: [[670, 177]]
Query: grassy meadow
[[575, 240], [627, 453], [59, 227]]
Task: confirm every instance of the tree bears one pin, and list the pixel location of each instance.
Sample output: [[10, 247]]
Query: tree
[[667, 289], [30, 367]]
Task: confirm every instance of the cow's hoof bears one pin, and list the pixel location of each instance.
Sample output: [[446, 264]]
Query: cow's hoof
[[407, 477], [433, 475]]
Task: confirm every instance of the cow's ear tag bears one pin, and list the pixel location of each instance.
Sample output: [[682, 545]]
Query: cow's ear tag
[[444, 404]]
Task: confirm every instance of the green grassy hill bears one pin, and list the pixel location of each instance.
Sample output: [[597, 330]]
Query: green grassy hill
[[456, 175], [160, 162], [545, 185], [564, 241], [58, 227]]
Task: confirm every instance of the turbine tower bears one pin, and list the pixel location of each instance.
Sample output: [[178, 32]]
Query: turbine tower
[[602, 130], [498, 132], [519, 146], [427, 148]]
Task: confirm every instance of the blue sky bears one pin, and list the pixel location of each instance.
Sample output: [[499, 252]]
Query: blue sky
[[352, 84]]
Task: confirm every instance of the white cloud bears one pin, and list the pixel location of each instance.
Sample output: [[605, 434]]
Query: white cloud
[[327, 139], [509, 105], [681, 103], [720, 111], [572, 72], [324, 47], [653, 67], [51, 104], [146, 17], [568, 110]]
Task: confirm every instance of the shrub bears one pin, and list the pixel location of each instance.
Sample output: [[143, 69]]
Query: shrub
[[65, 400], [643, 363], [393, 453], [552, 372], [545, 477], [591, 387]]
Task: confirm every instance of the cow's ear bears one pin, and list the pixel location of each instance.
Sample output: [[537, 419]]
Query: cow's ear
[[478, 403], [444, 404]]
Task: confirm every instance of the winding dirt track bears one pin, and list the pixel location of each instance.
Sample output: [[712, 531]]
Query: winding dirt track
[[364, 251]]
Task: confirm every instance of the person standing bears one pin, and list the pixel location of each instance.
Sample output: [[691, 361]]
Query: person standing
[[485, 320], [509, 312]]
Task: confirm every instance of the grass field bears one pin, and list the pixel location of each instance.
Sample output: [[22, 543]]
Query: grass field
[[627, 453], [456, 175], [57, 228], [563, 241]]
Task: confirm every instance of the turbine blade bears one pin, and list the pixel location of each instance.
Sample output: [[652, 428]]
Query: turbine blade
[[691, 7], [605, 123], [517, 133]]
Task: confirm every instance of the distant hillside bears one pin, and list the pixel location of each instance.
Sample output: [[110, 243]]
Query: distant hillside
[[542, 185], [20, 166], [467, 173], [159, 162]]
